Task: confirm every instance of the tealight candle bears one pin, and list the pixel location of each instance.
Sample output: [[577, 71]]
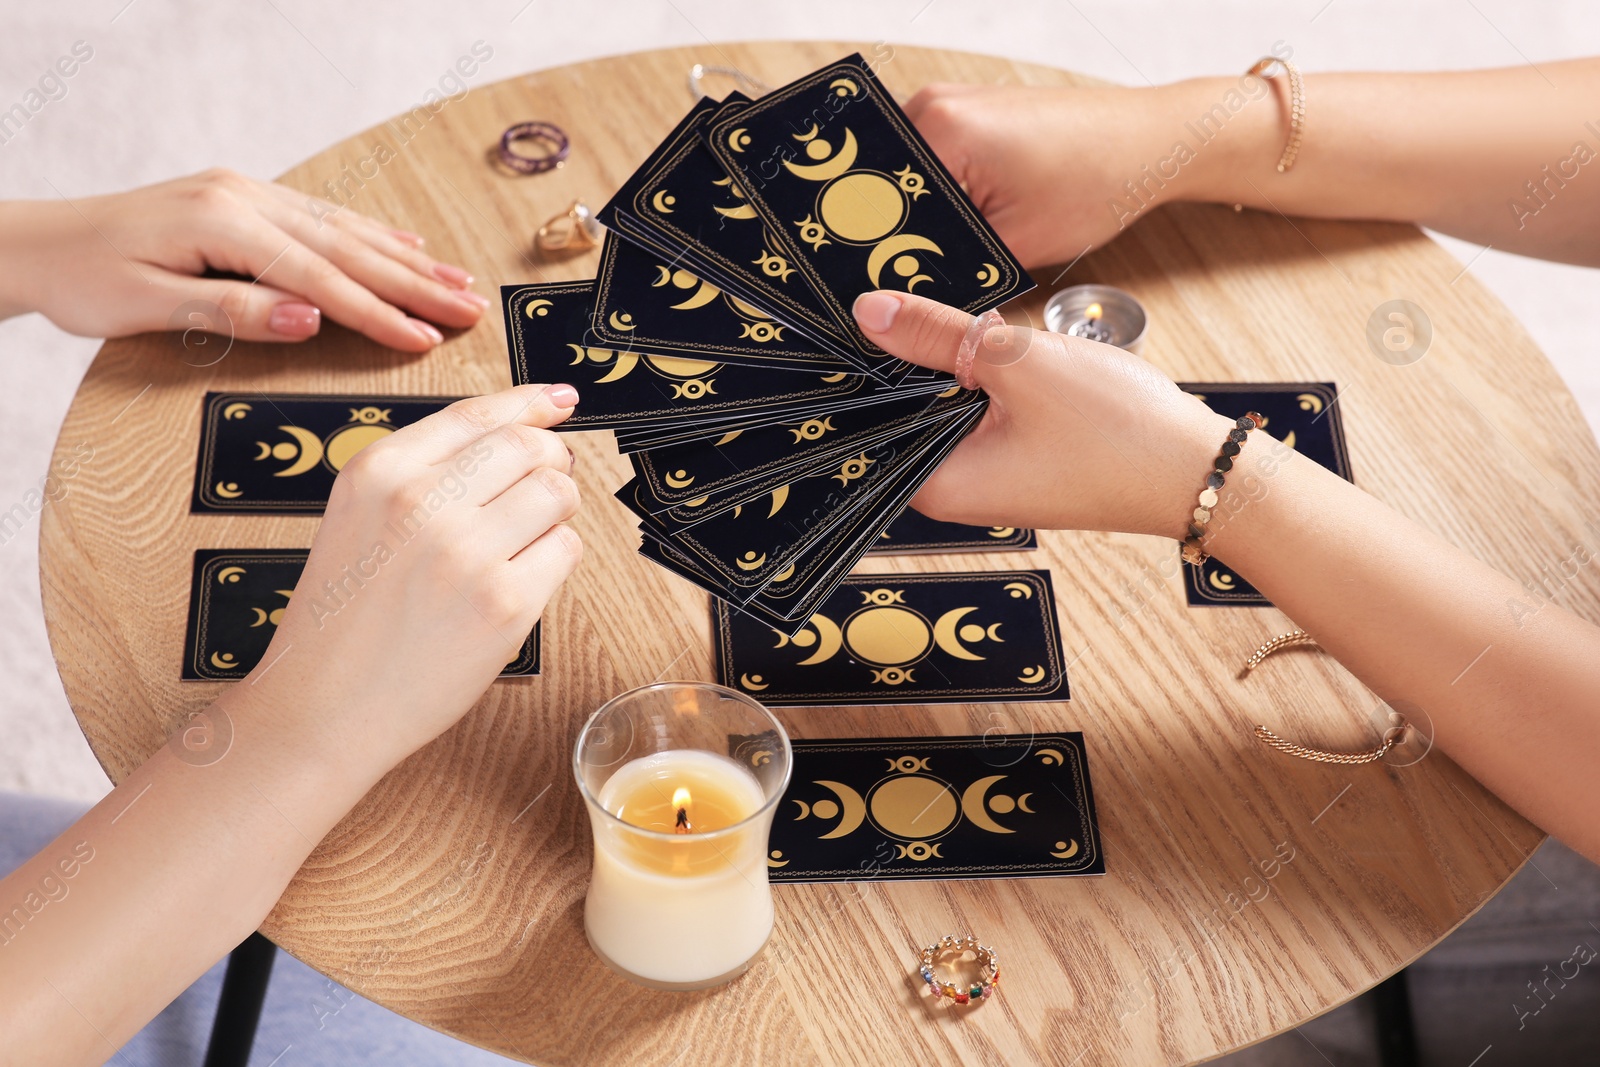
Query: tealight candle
[[1100, 313], [679, 897]]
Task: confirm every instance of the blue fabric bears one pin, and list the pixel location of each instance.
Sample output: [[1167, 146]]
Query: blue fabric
[[307, 1021]]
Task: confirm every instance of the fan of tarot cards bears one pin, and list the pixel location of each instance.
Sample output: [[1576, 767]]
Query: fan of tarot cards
[[772, 443]]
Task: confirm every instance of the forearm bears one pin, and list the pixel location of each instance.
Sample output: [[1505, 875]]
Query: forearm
[[168, 873], [1511, 683], [1465, 153], [23, 226]]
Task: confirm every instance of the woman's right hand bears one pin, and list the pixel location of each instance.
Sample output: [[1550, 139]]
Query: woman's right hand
[[1078, 436], [441, 546]]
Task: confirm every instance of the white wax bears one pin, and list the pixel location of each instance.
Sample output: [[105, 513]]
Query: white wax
[[670, 927]]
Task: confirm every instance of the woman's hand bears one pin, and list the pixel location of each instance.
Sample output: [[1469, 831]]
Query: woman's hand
[[1060, 171], [441, 546], [1078, 435], [108, 266]]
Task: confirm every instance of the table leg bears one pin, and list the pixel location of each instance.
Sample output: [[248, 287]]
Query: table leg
[[244, 990], [1397, 1038]]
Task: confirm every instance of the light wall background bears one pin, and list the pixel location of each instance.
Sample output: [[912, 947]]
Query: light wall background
[[175, 86]]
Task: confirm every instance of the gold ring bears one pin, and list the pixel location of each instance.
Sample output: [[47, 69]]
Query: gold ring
[[573, 230], [952, 949]]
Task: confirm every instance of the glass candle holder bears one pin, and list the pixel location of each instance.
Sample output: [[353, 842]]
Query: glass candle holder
[[681, 780]]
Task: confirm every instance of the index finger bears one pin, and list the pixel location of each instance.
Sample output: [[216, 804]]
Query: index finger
[[443, 434]]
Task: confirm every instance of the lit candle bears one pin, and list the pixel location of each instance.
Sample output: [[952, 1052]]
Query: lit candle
[[1099, 313], [679, 895]]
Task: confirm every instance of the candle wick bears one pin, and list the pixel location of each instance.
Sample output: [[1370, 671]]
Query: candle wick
[[682, 826]]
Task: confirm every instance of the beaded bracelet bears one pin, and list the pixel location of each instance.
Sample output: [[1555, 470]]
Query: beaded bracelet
[[1192, 551], [988, 969]]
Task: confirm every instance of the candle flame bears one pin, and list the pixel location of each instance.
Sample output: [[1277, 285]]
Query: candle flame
[[680, 800], [1093, 312]]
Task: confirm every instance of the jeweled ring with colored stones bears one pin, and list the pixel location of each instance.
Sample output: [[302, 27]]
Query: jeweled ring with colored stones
[[952, 950]]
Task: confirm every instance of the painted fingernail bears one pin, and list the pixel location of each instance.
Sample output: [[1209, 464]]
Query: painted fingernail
[[452, 275], [426, 331], [473, 300], [875, 311], [415, 240], [563, 396], [294, 319]]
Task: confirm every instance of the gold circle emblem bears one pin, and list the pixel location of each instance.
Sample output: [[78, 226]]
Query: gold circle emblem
[[862, 206], [888, 636], [913, 807]]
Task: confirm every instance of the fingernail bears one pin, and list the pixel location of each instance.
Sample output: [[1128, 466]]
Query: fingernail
[[452, 275], [477, 300], [875, 311], [563, 396], [426, 331], [294, 319], [415, 240]]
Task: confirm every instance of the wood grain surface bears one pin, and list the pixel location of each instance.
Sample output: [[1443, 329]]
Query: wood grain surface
[[453, 894]]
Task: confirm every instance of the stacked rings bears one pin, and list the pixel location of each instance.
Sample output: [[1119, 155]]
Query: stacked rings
[[546, 132], [1192, 550], [988, 969]]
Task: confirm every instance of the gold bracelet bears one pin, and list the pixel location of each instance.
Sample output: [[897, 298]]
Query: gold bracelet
[[1297, 106], [1397, 733], [1192, 551]]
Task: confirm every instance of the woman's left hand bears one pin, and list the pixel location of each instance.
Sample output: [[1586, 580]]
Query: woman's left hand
[[108, 266]]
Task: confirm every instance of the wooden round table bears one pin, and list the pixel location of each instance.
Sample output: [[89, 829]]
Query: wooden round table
[[453, 894]]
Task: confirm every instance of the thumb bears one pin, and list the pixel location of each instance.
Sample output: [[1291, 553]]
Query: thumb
[[929, 334]]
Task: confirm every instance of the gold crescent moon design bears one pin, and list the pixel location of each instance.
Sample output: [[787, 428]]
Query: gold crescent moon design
[[749, 561], [266, 450], [702, 296], [1031, 675], [808, 135], [783, 575], [626, 361], [729, 436], [679, 479], [911, 285], [1049, 756], [1289, 440], [890, 247], [739, 139], [1002, 531], [830, 639], [661, 279], [662, 201], [831, 378], [743, 211], [846, 86], [225, 660], [945, 636], [261, 618], [752, 682], [988, 275], [1218, 580], [1068, 852], [972, 804], [992, 635], [780, 496], [229, 575], [828, 169], [855, 809], [1310, 402], [540, 308], [1019, 589], [310, 451], [1022, 803], [776, 859], [236, 410], [577, 359], [618, 321], [678, 367], [805, 810], [230, 490]]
